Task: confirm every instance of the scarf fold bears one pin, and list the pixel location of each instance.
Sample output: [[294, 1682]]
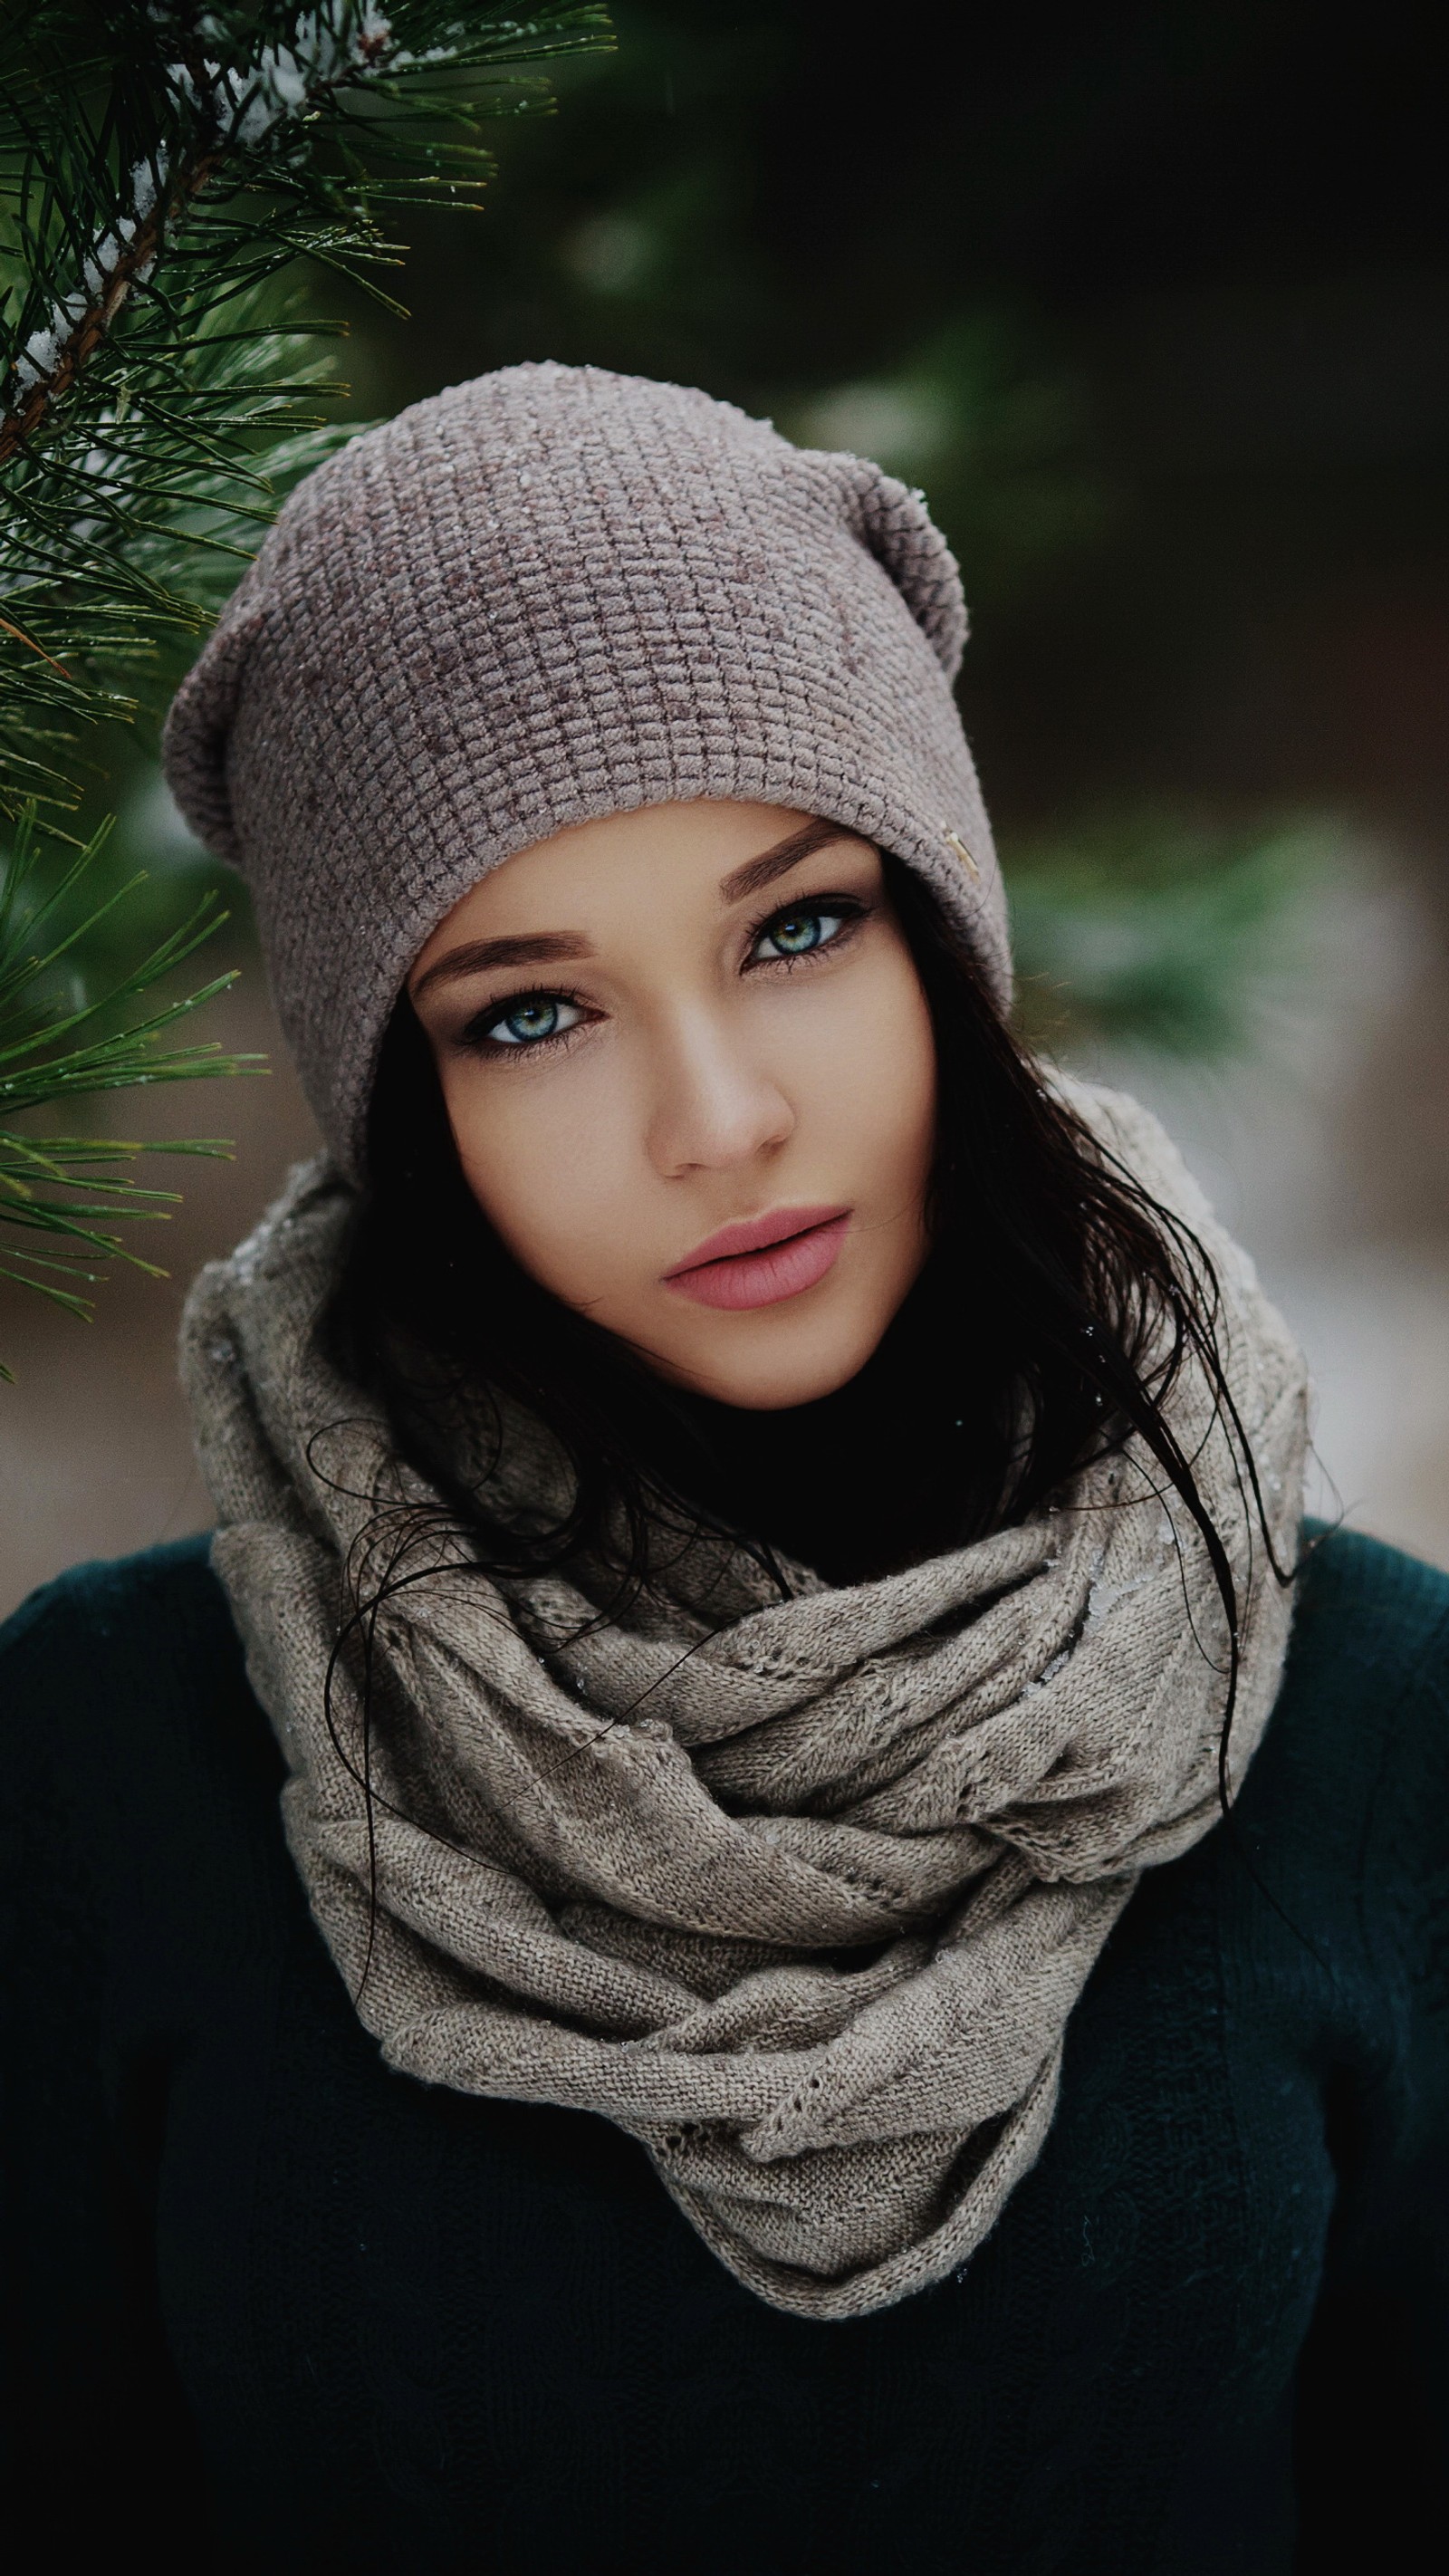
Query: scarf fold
[[799, 1893]]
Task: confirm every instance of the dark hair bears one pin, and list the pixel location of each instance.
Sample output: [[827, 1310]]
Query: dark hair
[[1054, 1313]]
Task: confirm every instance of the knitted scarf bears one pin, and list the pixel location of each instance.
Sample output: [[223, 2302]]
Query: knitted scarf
[[800, 1893]]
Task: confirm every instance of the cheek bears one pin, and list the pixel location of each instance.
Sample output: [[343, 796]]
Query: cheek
[[549, 1163], [866, 1075]]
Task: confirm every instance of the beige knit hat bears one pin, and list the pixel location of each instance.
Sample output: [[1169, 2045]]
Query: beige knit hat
[[548, 595]]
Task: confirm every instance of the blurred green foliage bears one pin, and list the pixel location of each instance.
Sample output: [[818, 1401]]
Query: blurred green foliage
[[735, 199], [743, 200], [62, 1194], [1152, 930], [164, 171], [989, 420]]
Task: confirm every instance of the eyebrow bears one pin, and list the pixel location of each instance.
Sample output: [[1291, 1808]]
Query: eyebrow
[[758, 873], [550, 947], [528, 948]]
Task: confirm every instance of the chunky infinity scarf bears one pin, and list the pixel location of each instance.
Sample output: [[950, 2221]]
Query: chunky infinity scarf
[[800, 1893]]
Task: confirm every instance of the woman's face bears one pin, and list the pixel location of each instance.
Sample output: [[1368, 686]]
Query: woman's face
[[690, 1072]]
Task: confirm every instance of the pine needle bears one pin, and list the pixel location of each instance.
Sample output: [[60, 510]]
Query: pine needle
[[169, 180]]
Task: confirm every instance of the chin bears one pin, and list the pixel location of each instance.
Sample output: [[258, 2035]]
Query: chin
[[803, 1365]]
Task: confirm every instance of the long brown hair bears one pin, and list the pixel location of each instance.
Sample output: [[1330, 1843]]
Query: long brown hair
[[1055, 1312]]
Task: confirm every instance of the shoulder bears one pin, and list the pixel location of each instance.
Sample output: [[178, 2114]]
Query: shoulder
[[1355, 1762], [99, 1618], [114, 1671], [1370, 1644]]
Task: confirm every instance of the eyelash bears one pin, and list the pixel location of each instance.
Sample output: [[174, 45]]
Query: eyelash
[[477, 1037], [478, 1040], [849, 907]]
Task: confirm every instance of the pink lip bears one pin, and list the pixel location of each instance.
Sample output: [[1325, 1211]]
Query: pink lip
[[763, 1260]]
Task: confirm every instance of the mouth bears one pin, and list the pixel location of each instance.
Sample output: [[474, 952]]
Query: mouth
[[763, 1260]]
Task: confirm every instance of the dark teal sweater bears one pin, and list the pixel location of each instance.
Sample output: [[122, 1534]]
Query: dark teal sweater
[[271, 2307]]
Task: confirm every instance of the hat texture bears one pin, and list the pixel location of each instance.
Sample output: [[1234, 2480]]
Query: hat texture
[[548, 595]]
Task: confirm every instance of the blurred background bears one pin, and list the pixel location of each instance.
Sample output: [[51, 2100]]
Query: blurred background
[[1153, 302]]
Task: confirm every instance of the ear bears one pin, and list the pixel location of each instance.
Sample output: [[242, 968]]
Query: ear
[[198, 728], [895, 526]]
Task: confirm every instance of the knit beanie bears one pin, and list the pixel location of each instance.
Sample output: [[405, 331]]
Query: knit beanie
[[548, 595]]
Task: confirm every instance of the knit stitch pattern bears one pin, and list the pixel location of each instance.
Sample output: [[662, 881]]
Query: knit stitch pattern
[[801, 1893], [549, 595]]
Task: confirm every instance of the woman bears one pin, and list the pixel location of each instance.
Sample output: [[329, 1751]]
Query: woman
[[796, 2010]]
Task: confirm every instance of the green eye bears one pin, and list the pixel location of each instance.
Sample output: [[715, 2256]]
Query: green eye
[[795, 933], [802, 928], [531, 1019]]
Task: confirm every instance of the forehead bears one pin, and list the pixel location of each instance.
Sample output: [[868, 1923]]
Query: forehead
[[600, 874]]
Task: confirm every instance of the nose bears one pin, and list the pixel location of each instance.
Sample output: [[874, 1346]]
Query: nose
[[715, 1105]]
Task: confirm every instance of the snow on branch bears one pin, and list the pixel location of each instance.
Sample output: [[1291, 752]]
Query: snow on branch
[[234, 109]]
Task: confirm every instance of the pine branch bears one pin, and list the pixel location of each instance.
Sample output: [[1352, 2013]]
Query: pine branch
[[162, 169], [165, 171], [48, 1184]]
